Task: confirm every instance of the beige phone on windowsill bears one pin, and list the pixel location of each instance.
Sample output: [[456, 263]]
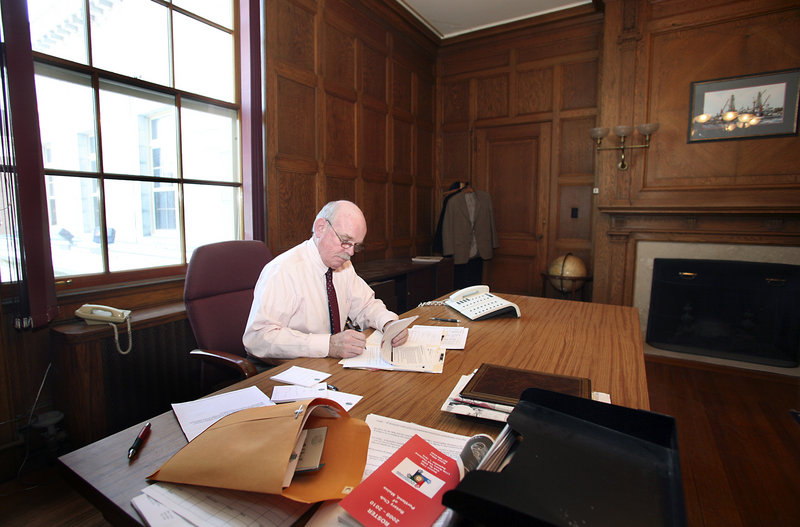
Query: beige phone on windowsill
[[95, 314]]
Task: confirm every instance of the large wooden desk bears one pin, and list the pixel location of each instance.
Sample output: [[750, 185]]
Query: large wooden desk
[[601, 342]]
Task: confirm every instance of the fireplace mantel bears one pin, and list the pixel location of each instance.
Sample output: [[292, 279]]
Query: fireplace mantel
[[726, 226], [620, 229]]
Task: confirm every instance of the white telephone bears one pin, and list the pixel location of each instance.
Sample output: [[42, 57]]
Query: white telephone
[[477, 303], [96, 314]]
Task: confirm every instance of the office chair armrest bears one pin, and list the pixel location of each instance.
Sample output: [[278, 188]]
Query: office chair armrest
[[243, 365]]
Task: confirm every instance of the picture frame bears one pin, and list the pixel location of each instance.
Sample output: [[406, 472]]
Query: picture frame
[[745, 107]]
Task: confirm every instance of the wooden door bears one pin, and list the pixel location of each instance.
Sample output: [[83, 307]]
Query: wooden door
[[512, 164]]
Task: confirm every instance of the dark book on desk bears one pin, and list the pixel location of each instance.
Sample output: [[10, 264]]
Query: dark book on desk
[[503, 385]]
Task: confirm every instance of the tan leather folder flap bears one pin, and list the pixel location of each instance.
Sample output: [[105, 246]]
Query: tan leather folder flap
[[344, 458], [250, 450], [246, 450]]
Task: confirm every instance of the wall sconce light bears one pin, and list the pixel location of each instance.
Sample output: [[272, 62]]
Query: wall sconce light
[[623, 131]]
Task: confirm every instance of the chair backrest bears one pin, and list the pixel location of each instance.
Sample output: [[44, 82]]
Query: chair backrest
[[218, 291]]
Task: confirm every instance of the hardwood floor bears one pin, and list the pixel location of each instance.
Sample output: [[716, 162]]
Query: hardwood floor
[[738, 439], [41, 498]]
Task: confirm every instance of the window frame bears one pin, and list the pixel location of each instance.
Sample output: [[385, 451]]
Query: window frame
[[247, 41]]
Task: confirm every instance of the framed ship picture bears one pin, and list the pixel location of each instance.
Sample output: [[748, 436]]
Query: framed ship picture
[[763, 105]]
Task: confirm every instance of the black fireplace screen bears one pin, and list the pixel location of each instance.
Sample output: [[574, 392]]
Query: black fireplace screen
[[746, 311]]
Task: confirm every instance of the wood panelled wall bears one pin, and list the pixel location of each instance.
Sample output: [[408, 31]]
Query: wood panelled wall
[[350, 115], [742, 191], [515, 107]]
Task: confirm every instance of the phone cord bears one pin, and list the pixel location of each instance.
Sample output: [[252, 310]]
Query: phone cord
[[431, 303], [116, 337]]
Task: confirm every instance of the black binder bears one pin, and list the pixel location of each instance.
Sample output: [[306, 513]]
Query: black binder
[[579, 462]]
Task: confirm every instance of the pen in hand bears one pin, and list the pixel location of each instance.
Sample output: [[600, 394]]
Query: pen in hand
[[137, 443], [349, 325]]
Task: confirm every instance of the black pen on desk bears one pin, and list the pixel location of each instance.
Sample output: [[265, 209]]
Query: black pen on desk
[[454, 320], [137, 443]]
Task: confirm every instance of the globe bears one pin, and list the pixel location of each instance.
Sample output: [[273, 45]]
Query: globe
[[565, 272]]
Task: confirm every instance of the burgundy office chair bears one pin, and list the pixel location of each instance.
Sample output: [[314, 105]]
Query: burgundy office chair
[[218, 293]]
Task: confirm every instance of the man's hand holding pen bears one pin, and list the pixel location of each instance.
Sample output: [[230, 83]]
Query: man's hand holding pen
[[346, 344]]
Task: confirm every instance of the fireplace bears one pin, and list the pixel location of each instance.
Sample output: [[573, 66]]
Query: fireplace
[[747, 311]]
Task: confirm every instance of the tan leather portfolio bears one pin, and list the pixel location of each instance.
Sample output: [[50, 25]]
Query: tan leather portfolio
[[251, 450], [504, 385]]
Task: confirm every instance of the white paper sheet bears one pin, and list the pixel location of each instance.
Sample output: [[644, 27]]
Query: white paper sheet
[[195, 416], [156, 514], [387, 435], [292, 392], [452, 338], [347, 400], [207, 507], [456, 405], [285, 394], [411, 356], [371, 360], [301, 376]]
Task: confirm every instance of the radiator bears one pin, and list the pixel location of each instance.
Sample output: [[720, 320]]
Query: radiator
[[157, 372]]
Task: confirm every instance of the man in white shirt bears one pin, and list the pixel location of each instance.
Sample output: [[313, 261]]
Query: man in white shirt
[[290, 316]]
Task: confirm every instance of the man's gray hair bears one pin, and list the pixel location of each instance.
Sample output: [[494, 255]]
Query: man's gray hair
[[328, 212]]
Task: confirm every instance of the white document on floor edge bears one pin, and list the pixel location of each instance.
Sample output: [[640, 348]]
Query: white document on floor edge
[[155, 514], [207, 507], [195, 416]]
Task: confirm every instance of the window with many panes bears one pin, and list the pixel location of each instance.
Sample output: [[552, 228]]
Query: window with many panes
[[139, 123]]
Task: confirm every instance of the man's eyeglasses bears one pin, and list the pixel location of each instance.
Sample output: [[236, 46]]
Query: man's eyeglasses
[[346, 244]]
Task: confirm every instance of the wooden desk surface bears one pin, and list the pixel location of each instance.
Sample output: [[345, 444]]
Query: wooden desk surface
[[598, 341]]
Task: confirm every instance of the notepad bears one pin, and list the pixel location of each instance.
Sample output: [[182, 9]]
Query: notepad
[[301, 376]]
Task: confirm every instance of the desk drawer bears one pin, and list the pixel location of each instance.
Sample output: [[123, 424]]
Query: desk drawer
[[386, 290]]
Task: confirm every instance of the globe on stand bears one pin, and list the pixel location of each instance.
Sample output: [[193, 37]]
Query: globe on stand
[[567, 273]]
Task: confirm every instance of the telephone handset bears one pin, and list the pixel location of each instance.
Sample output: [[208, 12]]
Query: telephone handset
[[96, 314], [469, 291], [477, 303]]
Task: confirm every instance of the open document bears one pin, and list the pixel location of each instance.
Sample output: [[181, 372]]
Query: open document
[[411, 356], [195, 416], [450, 337]]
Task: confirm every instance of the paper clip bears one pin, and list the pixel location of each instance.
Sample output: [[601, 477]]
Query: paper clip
[[298, 412]]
